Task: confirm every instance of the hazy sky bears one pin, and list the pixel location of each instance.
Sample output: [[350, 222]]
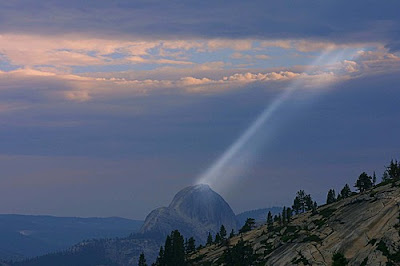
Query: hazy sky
[[108, 108]]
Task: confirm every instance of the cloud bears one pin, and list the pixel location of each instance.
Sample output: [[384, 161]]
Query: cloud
[[350, 66], [27, 86], [80, 96], [78, 50], [238, 55], [304, 45], [331, 20], [237, 45]]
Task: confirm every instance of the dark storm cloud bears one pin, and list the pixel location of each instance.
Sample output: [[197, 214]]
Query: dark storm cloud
[[335, 20]]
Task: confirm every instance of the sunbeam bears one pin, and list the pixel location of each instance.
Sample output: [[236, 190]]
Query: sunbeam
[[241, 153]]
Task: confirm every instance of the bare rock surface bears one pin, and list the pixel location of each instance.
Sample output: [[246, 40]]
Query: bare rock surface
[[194, 211], [363, 227]]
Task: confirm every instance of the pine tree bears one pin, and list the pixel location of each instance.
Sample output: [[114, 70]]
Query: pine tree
[[270, 222], [191, 245], [284, 215], [240, 254], [217, 239], [302, 202], [289, 213], [331, 197], [308, 202], [173, 252], [301, 195], [178, 249], [314, 208], [392, 172], [222, 232], [363, 182], [232, 234], [296, 205], [209, 239], [160, 261], [167, 251], [345, 192], [374, 179], [142, 260], [248, 225]]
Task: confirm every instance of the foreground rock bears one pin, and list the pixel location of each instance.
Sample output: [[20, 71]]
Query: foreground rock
[[364, 228]]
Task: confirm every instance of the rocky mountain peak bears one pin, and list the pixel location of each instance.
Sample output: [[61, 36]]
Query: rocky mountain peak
[[194, 211]]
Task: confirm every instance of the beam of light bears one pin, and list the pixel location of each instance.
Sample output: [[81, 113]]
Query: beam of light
[[242, 151]]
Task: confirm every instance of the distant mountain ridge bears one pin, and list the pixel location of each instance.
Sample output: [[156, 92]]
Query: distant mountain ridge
[[194, 211], [24, 236], [259, 215]]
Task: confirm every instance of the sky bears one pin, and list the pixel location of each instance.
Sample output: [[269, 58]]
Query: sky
[[108, 108]]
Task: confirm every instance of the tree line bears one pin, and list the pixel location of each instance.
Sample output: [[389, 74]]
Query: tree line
[[365, 182]]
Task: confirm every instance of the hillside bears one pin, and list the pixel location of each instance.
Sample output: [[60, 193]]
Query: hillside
[[364, 228], [24, 236]]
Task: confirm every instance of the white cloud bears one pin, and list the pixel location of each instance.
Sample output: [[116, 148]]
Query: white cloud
[[350, 66], [80, 96]]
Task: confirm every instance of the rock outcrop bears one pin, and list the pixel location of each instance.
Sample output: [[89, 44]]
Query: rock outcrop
[[364, 228], [194, 211]]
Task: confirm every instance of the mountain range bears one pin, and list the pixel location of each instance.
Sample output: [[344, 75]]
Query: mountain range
[[195, 211], [24, 236]]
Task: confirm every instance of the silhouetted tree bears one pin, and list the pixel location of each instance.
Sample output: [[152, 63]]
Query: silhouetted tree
[[232, 234], [217, 239], [289, 213], [239, 255], [248, 225], [301, 195], [178, 249], [331, 197], [392, 172], [284, 215], [142, 260], [308, 202], [363, 182], [174, 251], [209, 239], [296, 205], [167, 251], [270, 222], [302, 202], [191, 245], [374, 179], [160, 259], [314, 208], [345, 192], [222, 232]]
